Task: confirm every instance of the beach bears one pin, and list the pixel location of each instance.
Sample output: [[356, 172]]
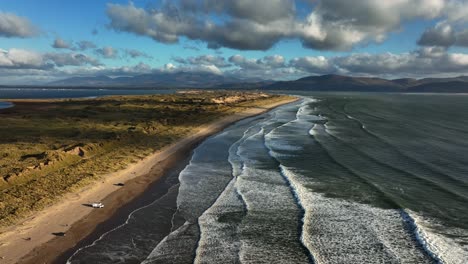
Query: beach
[[33, 240]]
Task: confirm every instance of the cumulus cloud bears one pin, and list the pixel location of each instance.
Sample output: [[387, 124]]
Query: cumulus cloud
[[133, 53], [267, 62], [169, 67], [12, 25], [130, 70], [422, 62], [444, 35], [250, 10], [168, 24], [70, 59], [273, 67], [30, 60], [205, 60], [85, 45], [107, 52], [249, 25], [22, 59], [190, 47], [34, 76], [61, 44], [427, 61], [451, 30], [342, 24], [316, 65]]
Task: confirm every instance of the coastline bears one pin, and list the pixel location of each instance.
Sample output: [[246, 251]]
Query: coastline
[[32, 241], [6, 104]]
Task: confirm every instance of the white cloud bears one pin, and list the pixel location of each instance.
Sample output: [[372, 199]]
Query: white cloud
[[133, 53], [316, 65], [249, 25], [107, 52], [61, 44], [267, 62], [18, 58], [12, 25]]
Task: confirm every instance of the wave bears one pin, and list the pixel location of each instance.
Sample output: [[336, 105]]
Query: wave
[[266, 193], [323, 215], [208, 198], [296, 186], [435, 239], [177, 247], [219, 239]]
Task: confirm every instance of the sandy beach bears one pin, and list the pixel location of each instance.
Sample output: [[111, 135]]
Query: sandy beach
[[33, 240]]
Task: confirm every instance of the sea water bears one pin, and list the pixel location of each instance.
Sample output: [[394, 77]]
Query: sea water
[[333, 178]]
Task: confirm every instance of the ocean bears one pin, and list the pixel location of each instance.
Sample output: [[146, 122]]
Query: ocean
[[332, 178]]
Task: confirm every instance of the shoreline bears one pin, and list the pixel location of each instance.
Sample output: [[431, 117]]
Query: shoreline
[[32, 241], [6, 104]]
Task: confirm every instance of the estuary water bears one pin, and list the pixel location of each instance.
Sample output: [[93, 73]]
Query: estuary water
[[5, 105], [51, 93], [333, 178]]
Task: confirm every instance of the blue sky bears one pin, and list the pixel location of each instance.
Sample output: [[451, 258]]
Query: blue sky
[[304, 37]]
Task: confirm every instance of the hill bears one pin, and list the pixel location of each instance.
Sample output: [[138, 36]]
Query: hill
[[335, 83]]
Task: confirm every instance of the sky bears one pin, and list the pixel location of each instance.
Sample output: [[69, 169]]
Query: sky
[[48, 40]]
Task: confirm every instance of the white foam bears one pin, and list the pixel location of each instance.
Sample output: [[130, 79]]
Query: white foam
[[339, 231], [431, 236], [176, 247], [219, 240]]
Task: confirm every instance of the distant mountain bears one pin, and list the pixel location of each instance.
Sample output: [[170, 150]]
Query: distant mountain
[[162, 79], [331, 82], [335, 83]]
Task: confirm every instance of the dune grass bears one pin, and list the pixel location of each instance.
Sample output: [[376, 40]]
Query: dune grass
[[50, 148]]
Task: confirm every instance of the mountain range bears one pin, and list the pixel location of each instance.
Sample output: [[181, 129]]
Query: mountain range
[[158, 80], [329, 82], [366, 84]]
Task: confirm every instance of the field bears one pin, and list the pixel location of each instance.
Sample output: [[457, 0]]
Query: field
[[49, 148]]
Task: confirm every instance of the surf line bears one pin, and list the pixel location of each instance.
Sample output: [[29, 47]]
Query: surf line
[[415, 231], [302, 213]]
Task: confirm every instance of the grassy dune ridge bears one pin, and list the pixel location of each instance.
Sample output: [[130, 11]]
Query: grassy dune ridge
[[50, 148]]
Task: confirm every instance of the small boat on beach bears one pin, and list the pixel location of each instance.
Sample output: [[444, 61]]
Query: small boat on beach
[[97, 205]]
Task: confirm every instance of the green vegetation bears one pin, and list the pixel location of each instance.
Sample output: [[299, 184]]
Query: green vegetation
[[49, 148]]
